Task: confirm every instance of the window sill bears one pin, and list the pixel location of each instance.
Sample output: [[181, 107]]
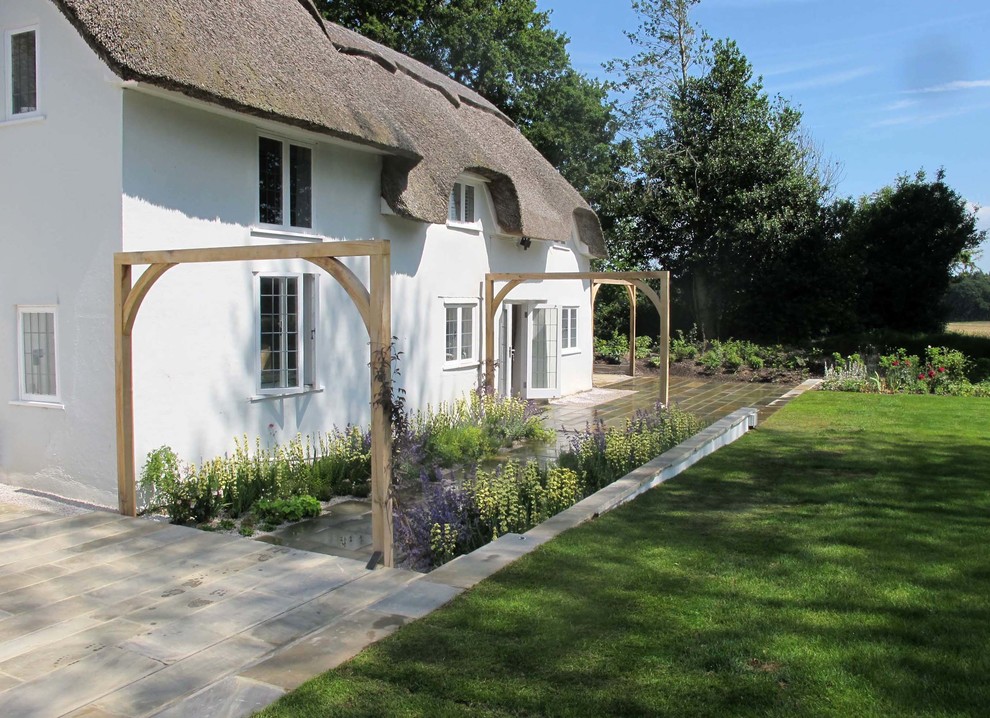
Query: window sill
[[465, 364], [287, 394], [19, 120], [39, 404], [468, 227], [294, 235], [568, 352]]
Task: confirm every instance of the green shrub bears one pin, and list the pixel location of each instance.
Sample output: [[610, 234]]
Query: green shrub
[[295, 508]]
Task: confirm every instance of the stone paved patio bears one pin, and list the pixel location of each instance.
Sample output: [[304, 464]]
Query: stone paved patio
[[107, 616]]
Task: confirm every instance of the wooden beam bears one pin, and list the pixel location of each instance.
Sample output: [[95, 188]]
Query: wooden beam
[[664, 300], [363, 248], [662, 303], [124, 394], [381, 409], [631, 290], [535, 276]]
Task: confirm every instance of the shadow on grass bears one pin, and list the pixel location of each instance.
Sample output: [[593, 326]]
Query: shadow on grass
[[832, 563]]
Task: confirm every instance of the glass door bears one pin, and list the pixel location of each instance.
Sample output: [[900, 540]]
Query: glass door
[[505, 351], [543, 352]]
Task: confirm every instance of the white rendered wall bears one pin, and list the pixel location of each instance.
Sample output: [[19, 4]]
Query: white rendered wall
[[190, 180], [59, 225]]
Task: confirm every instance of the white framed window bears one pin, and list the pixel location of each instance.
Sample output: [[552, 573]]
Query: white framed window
[[285, 183], [569, 330], [37, 354], [459, 334], [462, 208], [287, 317], [20, 73]]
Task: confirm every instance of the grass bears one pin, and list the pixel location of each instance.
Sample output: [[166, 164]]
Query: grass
[[979, 329], [835, 562]]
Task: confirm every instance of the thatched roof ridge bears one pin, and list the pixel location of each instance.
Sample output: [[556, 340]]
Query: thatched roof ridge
[[279, 60]]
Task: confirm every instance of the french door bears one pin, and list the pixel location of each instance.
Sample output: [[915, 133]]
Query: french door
[[543, 352]]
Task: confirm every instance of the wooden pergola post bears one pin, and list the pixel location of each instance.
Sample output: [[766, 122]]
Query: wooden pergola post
[[374, 306], [631, 280]]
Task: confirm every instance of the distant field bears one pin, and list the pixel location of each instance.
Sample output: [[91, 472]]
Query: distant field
[[979, 329]]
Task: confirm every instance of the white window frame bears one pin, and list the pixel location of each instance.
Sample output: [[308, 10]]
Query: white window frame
[[287, 144], [8, 79], [462, 305], [460, 188], [307, 309], [23, 394], [570, 319]]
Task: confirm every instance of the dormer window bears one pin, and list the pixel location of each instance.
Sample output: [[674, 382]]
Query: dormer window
[[21, 55], [461, 209]]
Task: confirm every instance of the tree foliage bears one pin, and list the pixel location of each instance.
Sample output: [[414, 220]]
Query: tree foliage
[[906, 239], [968, 298], [507, 52], [722, 197]]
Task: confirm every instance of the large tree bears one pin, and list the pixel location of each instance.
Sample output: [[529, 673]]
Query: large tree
[[906, 239], [507, 52], [723, 194]]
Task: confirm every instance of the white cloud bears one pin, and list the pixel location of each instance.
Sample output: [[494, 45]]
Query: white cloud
[[900, 105], [927, 118], [953, 86], [830, 79]]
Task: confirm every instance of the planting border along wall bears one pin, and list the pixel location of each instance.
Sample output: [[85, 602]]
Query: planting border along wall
[[465, 571]]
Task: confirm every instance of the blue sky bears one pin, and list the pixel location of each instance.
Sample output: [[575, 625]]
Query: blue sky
[[886, 87]]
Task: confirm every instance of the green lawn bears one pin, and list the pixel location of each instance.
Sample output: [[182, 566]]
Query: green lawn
[[836, 561]]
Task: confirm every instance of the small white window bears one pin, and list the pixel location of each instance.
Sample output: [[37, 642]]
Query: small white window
[[459, 334], [461, 209], [285, 182], [569, 329], [21, 75], [287, 309], [37, 364]]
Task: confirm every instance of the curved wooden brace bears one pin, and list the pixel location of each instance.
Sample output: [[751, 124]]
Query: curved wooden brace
[[648, 291], [502, 294], [139, 291], [595, 286], [351, 283]]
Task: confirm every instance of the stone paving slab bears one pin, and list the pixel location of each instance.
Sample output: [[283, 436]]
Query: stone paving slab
[[328, 648], [103, 616], [231, 698]]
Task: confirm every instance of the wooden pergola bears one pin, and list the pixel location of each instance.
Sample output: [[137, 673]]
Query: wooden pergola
[[631, 280], [373, 304]]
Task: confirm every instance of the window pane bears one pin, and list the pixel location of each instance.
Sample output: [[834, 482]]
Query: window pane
[[270, 180], [451, 333], [468, 203], [454, 208], [301, 186], [466, 335], [280, 341], [38, 346], [271, 344], [23, 73]]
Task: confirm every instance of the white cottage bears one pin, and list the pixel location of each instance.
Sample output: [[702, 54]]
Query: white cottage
[[131, 126]]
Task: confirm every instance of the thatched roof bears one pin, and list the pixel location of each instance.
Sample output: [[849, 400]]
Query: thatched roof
[[277, 59]]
